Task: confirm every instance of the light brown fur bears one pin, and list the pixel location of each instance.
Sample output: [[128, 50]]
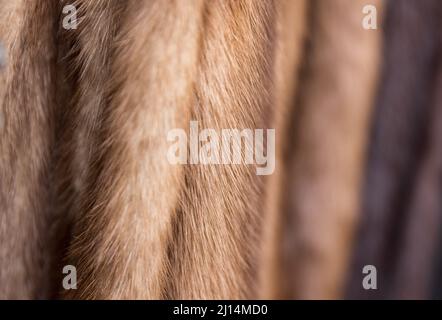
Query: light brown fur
[[83, 151], [120, 239], [291, 28], [217, 229], [28, 101]]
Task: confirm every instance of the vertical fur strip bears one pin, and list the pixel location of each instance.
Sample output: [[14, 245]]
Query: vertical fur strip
[[121, 239], [417, 257], [290, 35], [214, 253], [85, 54], [28, 101], [398, 140], [330, 129]]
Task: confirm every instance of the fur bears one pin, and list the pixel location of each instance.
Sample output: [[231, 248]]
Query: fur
[[120, 238], [329, 130], [109, 91], [207, 263], [28, 100], [84, 178], [291, 28], [398, 198]]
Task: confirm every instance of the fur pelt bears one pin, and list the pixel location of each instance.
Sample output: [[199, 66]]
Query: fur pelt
[[29, 226], [336, 94], [401, 205], [84, 175], [145, 228], [291, 29]]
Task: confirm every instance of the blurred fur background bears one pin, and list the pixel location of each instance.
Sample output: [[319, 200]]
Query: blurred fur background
[[84, 179]]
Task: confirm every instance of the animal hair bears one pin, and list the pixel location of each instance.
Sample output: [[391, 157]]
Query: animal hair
[[395, 212], [84, 177], [28, 99], [330, 122]]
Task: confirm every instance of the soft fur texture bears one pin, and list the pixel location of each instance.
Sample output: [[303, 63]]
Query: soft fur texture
[[206, 263], [398, 230], [148, 229], [291, 28], [28, 100], [120, 240], [110, 91], [85, 181], [329, 133]]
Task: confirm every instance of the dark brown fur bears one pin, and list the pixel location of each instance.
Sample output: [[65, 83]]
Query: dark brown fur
[[397, 233]]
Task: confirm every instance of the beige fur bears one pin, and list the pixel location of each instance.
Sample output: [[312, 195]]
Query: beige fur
[[152, 230], [110, 91], [120, 240], [214, 252], [83, 167], [291, 28]]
